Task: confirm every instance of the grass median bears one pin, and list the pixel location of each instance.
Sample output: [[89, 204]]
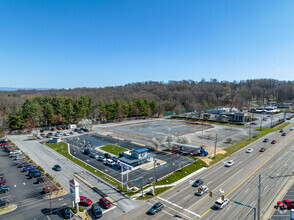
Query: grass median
[[113, 149], [157, 192], [235, 147], [62, 148], [181, 173]]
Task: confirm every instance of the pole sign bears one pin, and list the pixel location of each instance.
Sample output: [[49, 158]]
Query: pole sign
[[124, 165], [292, 214], [74, 188]]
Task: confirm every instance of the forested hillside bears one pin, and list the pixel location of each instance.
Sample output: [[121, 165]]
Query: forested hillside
[[171, 96]]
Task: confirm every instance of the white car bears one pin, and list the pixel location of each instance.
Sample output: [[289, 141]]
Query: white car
[[229, 163], [15, 152], [219, 204], [66, 134], [110, 162], [249, 150], [292, 128], [202, 190]]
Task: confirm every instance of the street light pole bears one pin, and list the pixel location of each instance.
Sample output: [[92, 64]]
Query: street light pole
[[154, 179], [215, 145], [259, 196]]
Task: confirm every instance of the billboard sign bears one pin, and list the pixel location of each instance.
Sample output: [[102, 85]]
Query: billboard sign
[[124, 165], [74, 188]]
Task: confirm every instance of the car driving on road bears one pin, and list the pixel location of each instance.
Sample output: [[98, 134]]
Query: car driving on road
[[229, 163], [219, 204], [198, 182], [57, 167], [156, 208], [266, 140], [249, 150], [274, 141], [262, 149], [284, 134], [202, 190]]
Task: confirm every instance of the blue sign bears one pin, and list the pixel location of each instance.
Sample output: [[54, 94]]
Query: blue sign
[[292, 214]]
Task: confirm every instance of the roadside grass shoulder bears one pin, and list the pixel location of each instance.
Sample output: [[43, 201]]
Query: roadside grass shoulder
[[179, 174], [157, 192], [237, 146], [62, 148], [113, 149]]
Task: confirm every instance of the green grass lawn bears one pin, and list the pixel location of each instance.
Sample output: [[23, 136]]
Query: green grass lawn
[[157, 192], [185, 171], [62, 148], [235, 147], [113, 149]]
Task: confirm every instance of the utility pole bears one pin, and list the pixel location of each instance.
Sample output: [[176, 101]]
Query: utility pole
[[154, 179], [272, 121], [261, 118], [50, 203], [259, 196], [122, 177], [215, 145], [143, 186]]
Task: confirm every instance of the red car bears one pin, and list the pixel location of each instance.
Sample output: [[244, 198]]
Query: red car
[[274, 141], [105, 202], [6, 143], [48, 189], [85, 201], [286, 204]]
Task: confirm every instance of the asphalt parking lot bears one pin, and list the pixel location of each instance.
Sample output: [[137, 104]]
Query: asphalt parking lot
[[77, 146], [23, 191], [284, 214]]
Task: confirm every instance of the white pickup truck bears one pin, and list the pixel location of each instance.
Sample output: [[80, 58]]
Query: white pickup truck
[[219, 204]]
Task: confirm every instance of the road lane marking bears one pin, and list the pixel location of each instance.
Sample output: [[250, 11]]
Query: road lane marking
[[179, 207], [113, 207], [252, 173]]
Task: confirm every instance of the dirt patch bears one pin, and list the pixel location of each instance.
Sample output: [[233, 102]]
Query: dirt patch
[[8, 209], [131, 135], [210, 150], [55, 194], [151, 164]]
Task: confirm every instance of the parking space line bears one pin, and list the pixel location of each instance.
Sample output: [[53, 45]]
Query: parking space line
[[109, 209]]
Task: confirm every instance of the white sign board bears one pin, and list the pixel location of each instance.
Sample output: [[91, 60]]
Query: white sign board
[[124, 165], [74, 188]]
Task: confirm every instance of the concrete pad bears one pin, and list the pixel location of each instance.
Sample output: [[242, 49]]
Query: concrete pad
[[150, 165]]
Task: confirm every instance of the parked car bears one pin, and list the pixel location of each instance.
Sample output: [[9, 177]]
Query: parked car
[[66, 134], [93, 155], [19, 157], [274, 141], [49, 136], [35, 174], [96, 210], [107, 155], [101, 158], [110, 162], [286, 204], [41, 180], [284, 134], [80, 131], [86, 130], [198, 182], [202, 190], [115, 158], [15, 152], [25, 164], [1, 176], [71, 132], [52, 129], [249, 150], [40, 137], [266, 140], [48, 189], [105, 203], [57, 167], [65, 212], [76, 130], [4, 202], [2, 182], [57, 135], [29, 168], [87, 151], [4, 189], [156, 208], [85, 201], [262, 149], [229, 163]]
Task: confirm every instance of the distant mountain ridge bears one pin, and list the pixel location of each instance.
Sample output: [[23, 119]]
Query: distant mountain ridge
[[15, 89]]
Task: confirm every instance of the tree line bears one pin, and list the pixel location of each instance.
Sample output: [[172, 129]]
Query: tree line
[[41, 111]]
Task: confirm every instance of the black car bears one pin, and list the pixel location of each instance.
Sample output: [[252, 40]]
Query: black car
[[4, 189], [266, 140], [4, 202], [76, 130], [87, 151], [97, 213], [57, 167], [107, 155], [198, 182], [85, 130], [284, 134], [156, 208], [52, 129], [35, 175], [65, 212], [281, 130], [41, 180]]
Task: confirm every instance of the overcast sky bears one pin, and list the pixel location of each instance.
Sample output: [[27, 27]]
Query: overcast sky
[[68, 44]]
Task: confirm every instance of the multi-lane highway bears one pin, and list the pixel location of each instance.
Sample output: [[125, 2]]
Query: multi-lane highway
[[239, 182]]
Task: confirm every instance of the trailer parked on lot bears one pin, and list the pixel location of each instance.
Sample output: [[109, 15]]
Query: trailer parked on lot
[[196, 150]]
